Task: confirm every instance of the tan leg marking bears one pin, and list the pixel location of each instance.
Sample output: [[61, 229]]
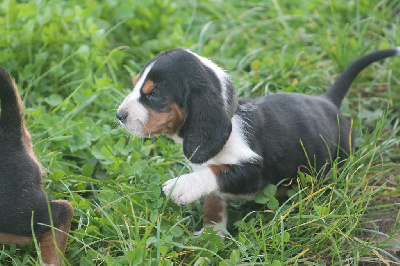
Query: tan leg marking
[[214, 209], [217, 169], [49, 252]]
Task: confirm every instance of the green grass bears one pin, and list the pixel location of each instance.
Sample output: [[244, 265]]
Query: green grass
[[73, 62]]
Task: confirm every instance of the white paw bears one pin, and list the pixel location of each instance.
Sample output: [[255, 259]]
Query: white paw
[[190, 187], [184, 189]]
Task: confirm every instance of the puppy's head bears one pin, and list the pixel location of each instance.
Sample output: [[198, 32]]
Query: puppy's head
[[182, 95]]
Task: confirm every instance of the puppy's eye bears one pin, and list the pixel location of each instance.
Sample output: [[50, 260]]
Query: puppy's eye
[[153, 95], [154, 99]]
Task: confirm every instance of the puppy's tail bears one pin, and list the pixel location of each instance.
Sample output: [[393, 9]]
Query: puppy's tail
[[338, 90], [11, 116]]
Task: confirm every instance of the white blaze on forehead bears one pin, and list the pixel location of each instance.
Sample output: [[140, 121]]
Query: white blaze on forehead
[[221, 75], [140, 82], [134, 96]]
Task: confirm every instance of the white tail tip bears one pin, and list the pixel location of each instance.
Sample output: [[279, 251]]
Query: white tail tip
[[398, 50]]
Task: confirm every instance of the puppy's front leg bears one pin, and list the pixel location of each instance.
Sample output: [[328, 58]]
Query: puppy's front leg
[[237, 179], [191, 187]]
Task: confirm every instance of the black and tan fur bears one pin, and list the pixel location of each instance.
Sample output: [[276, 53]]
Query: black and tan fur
[[23, 203], [236, 147]]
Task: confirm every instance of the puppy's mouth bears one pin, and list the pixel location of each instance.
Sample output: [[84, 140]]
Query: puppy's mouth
[[134, 127], [138, 129], [133, 117]]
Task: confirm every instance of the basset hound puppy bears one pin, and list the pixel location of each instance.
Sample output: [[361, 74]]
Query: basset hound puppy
[[235, 146], [24, 208]]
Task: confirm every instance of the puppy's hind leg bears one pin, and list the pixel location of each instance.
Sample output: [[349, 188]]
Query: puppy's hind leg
[[215, 214], [62, 213]]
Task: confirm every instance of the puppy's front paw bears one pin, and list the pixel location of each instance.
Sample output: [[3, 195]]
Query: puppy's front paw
[[190, 187], [183, 189]]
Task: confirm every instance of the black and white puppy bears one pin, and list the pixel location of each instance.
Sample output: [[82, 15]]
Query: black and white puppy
[[235, 147], [23, 204]]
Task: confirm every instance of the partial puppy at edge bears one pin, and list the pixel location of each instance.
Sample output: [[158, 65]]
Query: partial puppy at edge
[[22, 199], [235, 146]]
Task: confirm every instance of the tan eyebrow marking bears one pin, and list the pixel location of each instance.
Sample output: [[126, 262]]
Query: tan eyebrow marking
[[148, 86]]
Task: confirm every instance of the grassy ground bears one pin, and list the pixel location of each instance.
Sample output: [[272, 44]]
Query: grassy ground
[[73, 61]]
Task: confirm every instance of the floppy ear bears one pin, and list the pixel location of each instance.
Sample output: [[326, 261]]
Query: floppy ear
[[207, 125]]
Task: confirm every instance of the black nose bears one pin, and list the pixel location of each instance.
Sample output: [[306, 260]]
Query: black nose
[[122, 115]]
